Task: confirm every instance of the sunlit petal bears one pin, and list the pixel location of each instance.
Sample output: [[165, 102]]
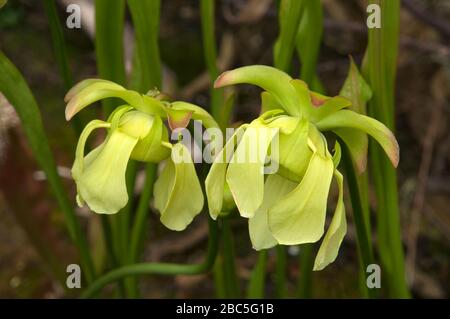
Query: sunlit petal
[[274, 189], [245, 174], [329, 248], [101, 184], [299, 217], [184, 198]]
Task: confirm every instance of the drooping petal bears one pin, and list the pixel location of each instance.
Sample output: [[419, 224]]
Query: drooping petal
[[294, 154], [164, 185], [78, 164], [274, 189], [88, 159], [184, 198], [299, 217], [101, 184], [88, 82], [329, 248], [270, 79], [215, 181], [98, 90], [357, 143], [376, 129], [337, 154], [245, 174]]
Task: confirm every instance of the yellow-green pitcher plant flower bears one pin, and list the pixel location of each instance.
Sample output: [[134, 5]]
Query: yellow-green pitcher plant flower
[[136, 131], [289, 207]]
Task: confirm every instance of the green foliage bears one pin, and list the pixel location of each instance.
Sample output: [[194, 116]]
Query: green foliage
[[15, 89]]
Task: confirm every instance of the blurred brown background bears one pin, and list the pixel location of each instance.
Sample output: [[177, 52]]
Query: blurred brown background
[[247, 30]]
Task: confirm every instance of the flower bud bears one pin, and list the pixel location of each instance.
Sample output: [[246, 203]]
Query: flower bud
[[151, 133]]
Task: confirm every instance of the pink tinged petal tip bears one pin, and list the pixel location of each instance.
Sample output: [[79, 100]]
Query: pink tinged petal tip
[[317, 101], [179, 120], [222, 80], [394, 155], [80, 86], [71, 109], [71, 93]]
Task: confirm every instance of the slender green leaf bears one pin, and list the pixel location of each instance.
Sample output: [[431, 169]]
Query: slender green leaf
[[148, 70], [209, 49], [380, 70], [60, 50], [309, 37], [58, 42], [145, 14], [289, 19], [15, 89], [109, 26]]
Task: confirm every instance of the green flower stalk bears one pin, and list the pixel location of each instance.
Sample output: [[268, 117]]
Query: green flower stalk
[[136, 131], [289, 207]]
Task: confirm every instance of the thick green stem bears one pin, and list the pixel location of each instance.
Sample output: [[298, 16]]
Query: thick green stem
[[124, 225], [110, 248], [257, 281], [125, 214], [306, 263], [107, 234], [363, 237], [159, 268], [229, 267], [139, 227], [280, 272], [219, 278], [140, 222]]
